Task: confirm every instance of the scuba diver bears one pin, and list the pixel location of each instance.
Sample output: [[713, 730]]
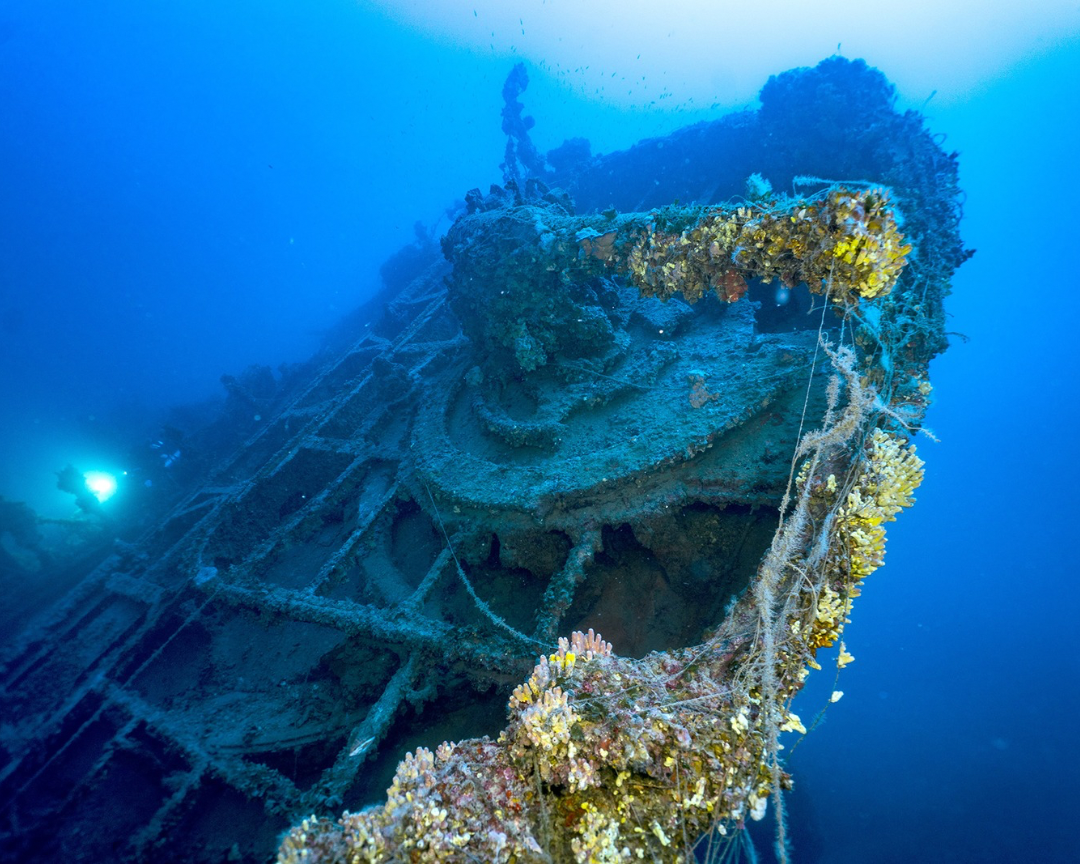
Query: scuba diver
[[167, 452], [72, 481]]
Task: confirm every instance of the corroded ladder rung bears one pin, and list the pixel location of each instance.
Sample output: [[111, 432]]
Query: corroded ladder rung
[[97, 680], [256, 781], [267, 546], [363, 742], [364, 522]]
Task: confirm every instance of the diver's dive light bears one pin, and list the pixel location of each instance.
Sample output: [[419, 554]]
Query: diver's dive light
[[101, 484]]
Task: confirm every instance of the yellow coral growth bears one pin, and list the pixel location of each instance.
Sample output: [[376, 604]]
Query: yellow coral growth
[[848, 238], [598, 840], [627, 758], [547, 723], [845, 241], [892, 474], [587, 646], [691, 262], [830, 617]]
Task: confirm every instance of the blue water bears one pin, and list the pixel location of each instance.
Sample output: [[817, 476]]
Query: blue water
[[956, 740], [188, 188]]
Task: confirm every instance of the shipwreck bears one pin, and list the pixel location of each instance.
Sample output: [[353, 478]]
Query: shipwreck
[[530, 566]]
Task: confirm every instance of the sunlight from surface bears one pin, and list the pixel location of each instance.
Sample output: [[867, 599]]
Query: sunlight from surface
[[690, 54]]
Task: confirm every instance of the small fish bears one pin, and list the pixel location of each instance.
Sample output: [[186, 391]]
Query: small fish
[[362, 746]]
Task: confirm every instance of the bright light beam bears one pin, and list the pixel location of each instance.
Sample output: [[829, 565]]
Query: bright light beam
[[102, 484]]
